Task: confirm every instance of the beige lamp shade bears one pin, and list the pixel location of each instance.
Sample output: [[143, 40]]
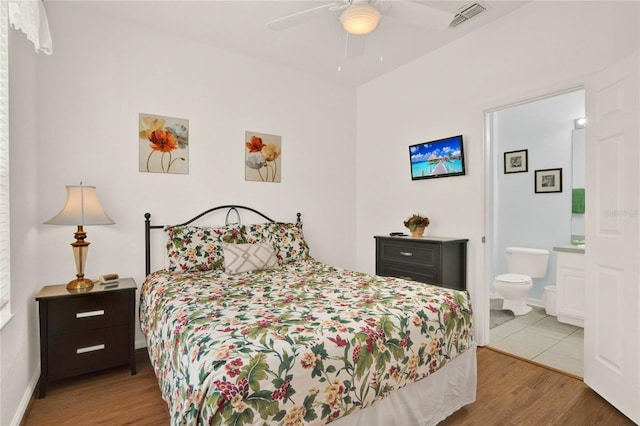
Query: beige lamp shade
[[360, 19], [82, 208]]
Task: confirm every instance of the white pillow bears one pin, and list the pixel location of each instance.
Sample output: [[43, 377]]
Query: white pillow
[[248, 257]]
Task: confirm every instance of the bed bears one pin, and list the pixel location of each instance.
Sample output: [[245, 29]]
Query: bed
[[244, 327]]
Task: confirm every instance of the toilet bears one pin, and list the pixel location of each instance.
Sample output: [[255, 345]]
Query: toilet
[[523, 264]]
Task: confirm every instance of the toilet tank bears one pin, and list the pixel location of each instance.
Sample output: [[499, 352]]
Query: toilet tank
[[528, 261]]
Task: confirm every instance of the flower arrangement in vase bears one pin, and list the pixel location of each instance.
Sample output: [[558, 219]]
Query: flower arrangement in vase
[[416, 224]]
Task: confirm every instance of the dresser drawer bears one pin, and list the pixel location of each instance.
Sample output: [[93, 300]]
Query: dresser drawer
[[422, 253], [414, 273], [86, 351], [72, 314], [439, 261]]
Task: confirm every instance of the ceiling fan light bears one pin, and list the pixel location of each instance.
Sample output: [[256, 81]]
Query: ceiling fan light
[[360, 19]]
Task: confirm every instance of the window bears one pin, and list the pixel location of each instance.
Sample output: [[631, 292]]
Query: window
[[30, 18], [5, 276]]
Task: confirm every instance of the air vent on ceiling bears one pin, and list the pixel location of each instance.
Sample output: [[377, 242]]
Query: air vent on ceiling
[[465, 13]]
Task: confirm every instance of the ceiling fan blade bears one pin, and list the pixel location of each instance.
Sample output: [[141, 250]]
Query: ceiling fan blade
[[417, 13], [300, 17]]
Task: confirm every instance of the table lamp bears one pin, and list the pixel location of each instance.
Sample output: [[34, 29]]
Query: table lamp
[[81, 208]]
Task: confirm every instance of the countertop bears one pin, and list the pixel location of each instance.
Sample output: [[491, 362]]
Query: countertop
[[570, 248]]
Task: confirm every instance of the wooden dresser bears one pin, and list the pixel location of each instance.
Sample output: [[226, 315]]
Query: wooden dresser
[[85, 331], [433, 260]]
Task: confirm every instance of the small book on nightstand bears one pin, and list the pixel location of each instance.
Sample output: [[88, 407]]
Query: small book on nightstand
[[109, 279]]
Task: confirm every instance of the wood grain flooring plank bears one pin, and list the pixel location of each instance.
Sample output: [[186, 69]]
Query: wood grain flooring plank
[[511, 391]]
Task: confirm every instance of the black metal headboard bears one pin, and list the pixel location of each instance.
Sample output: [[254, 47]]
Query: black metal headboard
[[231, 208]]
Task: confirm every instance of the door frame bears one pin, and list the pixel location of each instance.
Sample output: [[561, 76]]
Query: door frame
[[483, 292]]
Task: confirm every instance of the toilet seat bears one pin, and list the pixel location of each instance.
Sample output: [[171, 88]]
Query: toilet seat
[[517, 279]]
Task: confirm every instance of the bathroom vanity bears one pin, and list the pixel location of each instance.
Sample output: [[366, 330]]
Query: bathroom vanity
[[570, 284]]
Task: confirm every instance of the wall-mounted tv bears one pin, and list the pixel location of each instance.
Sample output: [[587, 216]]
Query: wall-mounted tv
[[439, 158]]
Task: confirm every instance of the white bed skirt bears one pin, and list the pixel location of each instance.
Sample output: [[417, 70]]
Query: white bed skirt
[[425, 402]]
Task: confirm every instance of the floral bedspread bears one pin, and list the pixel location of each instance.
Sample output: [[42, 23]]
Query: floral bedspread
[[305, 344]]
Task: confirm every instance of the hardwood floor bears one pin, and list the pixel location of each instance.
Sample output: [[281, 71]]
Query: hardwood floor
[[112, 397], [510, 392], [514, 391]]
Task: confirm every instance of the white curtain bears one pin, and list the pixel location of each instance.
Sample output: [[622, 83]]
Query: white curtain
[[30, 17]]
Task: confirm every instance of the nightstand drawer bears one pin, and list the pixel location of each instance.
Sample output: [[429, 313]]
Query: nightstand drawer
[[71, 314], [83, 332], [85, 351], [425, 254]]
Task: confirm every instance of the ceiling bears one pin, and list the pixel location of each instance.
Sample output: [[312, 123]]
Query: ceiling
[[318, 46]]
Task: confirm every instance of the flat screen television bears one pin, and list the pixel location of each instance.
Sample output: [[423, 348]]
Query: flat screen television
[[436, 159]]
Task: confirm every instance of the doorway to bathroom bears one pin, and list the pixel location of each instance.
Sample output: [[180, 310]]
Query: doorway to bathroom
[[535, 161]]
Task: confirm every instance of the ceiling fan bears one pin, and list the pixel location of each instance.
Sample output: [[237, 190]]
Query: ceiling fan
[[359, 17]]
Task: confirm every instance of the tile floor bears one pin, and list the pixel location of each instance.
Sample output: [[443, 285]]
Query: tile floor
[[541, 338]]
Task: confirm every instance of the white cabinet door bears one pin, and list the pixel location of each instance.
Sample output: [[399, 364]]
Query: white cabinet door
[[612, 298], [570, 283]]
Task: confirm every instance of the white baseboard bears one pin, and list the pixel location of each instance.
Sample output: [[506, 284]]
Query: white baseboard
[[21, 409], [140, 343], [538, 303]]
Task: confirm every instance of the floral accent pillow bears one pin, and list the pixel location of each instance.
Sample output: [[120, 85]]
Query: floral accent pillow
[[287, 240], [249, 257], [194, 248]]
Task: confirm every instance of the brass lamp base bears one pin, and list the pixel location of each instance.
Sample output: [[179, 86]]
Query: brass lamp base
[[80, 284]]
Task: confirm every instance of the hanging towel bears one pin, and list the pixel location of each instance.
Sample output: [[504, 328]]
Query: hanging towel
[[577, 201]]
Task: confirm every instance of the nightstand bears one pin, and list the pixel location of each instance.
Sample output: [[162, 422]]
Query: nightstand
[[85, 331], [439, 261]]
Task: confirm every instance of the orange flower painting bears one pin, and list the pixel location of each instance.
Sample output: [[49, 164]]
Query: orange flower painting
[[262, 157], [163, 144]]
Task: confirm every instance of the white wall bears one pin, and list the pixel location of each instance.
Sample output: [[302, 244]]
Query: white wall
[[80, 120], [538, 49], [104, 73], [525, 218]]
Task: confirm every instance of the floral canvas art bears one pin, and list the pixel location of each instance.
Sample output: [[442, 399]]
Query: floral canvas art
[[262, 157], [163, 144]]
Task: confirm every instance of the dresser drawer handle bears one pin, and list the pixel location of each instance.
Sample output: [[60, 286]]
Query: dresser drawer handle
[[406, 253], [90, 314], [90, 349]]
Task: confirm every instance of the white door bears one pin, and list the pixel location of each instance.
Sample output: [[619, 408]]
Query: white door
[[612, 298]]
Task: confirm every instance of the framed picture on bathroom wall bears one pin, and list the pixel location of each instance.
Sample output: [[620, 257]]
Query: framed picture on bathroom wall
[[548, 180], [516, 161]]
